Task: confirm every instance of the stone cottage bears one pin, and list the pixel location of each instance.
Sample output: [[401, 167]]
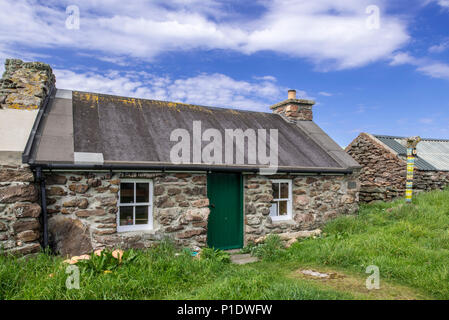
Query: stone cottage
[[384, 162], [82, 170]]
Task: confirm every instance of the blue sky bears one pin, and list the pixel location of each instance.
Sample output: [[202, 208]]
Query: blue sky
[[371, 65]]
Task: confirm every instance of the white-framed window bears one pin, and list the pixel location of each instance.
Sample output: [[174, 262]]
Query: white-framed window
[[281, 208], [135, 206]]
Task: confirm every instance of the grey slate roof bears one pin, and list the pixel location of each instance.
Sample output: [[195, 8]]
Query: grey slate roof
[[137, 131], [432, 154]]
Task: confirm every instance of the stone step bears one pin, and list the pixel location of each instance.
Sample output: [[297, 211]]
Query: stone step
[[243, 258]]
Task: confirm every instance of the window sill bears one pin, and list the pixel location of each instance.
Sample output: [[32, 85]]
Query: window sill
[[134, 228], [282, 219]]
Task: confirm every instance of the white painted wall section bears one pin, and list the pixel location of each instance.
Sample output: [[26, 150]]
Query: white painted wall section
[[15, 128]]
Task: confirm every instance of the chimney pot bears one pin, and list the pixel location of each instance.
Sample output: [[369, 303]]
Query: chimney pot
[[291, 94]]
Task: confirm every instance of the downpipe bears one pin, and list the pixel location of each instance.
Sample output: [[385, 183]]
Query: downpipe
[[43, 197]]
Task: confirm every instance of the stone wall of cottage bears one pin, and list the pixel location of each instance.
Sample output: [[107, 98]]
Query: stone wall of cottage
[[383, 176], [82, 208], [23, 88], [82, 211], [316, 200], [19, 210]]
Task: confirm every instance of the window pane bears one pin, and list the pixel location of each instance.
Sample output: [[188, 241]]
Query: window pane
[[126, 216], [274, 209], [141, 214], [284, 190], [275, 190], [143, 192], [126, 192], [282, 208]]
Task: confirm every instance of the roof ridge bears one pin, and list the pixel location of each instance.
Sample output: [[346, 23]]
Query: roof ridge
[[399, 137], [165, 101]]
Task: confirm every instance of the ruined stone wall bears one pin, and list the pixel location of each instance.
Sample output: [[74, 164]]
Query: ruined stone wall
[[316, 200], [19, 210], [25, 85], [83, 207], [383, 176]]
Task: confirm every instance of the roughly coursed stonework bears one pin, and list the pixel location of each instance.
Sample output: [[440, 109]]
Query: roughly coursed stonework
[[431, 180], [383, 173], [89, 201], [294, 109], [316, 200], [25, 85], [20, 229], [383, 176]]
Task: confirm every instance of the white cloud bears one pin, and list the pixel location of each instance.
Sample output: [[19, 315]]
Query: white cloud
[[361, 109], [444, 3], [435, 70], [426, 120], [204, 89], [402, 58], [326, 94], [439, 47], [6, 53], [329, 33], [266, 78], [431, 68]]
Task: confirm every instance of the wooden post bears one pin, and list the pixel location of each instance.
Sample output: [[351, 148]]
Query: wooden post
[[412, 142]]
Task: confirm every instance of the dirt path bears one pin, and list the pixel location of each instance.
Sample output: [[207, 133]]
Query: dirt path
[[355, 284]]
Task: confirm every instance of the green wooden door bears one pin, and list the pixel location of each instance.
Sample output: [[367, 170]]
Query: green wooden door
[[225, 227]]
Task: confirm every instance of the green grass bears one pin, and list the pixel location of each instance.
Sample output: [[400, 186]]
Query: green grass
[[155, 274], [409, 244]]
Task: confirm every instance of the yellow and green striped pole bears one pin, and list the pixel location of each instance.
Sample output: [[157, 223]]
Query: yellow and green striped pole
[[411, 152]]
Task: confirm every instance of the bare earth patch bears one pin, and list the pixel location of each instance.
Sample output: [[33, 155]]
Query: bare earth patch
[[319, 275], [356, 285]]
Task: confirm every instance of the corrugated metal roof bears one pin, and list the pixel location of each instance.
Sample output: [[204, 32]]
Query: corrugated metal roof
[[132, 131], [432, 154], [393, 144], [435, 152]]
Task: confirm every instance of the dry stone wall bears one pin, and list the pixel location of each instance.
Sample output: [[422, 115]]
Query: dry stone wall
[[24, 85], [430, 180], [20, 228], [383, 173], [84, 207], [383, 176], [316, 200]]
